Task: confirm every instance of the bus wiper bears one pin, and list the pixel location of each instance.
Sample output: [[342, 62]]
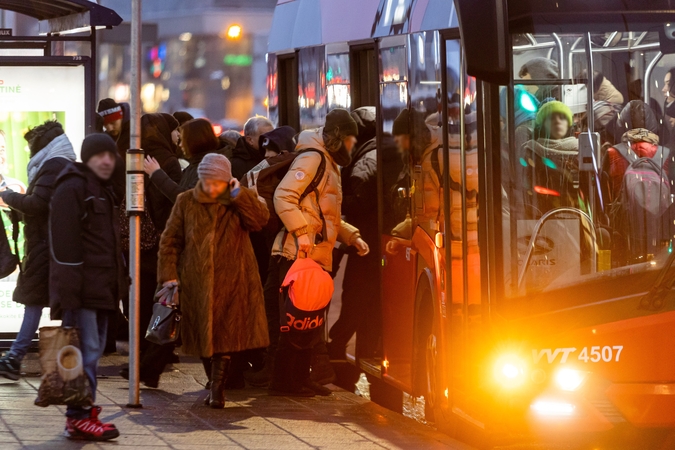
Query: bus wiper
[[656, 297]]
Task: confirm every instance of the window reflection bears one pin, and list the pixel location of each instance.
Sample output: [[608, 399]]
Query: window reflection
[[586, 187]]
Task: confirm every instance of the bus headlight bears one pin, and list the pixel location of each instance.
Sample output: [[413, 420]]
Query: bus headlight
[[509, 371], [552, 408], [569, 379]]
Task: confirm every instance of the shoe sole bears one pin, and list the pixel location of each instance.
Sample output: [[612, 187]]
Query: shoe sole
[[87, 437], [10, 376]]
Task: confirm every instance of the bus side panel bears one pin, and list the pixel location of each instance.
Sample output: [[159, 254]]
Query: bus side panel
[[398, 310]]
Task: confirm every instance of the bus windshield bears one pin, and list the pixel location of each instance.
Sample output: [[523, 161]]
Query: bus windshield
[[588, 159]]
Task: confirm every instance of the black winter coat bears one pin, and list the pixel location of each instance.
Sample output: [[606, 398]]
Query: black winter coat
[[169, 187], [32, 287], [87, 269], [244, 158]]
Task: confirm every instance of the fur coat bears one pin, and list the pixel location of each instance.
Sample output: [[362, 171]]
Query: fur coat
[[206, 247]]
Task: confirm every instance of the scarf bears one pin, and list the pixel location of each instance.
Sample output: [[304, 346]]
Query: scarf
[[568, 146], [640, 135], [224, 199], [59, 147]]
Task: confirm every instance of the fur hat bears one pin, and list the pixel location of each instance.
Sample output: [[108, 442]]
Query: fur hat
[[40, 136], [95, 144], [340, 120], [215, 166]]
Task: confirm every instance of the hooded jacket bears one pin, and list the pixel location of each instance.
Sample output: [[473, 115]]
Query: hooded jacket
[[244, 158], [299, 215], [642, 137], [205, 247], [156, 142], [32, 287], [87, 267]]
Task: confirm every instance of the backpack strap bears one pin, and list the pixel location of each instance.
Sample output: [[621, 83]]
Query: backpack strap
[[625, 151], [314, 187]]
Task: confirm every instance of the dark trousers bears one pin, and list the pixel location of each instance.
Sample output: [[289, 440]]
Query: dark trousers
[[360, 291], [278, 268], [293, 352]]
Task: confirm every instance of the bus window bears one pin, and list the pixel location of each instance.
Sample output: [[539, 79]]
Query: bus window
[[338, 81], [573, 171], [396, 168], [426, 131], [312, 86]]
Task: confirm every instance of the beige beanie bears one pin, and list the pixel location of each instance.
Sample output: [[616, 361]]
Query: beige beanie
[[216, 167]]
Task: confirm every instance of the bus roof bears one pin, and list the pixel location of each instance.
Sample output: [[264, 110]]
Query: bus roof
[[307, 23]]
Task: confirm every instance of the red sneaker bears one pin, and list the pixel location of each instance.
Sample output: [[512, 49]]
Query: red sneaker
[[91, 428]]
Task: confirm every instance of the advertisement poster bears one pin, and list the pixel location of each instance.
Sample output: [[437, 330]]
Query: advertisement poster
[[29, 96]]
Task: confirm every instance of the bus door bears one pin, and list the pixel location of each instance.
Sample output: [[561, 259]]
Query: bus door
[[398, 257], [460, 302]]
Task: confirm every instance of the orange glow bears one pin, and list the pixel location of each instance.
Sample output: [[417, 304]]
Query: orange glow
[[385, 364], [217, 129], [546, 191], [234, 32]]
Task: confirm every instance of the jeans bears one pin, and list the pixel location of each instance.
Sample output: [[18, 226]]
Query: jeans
[[31, 321], [93, 327]]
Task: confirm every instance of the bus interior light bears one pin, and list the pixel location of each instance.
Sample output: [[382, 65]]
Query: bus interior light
[[552, 408], [569, 379]]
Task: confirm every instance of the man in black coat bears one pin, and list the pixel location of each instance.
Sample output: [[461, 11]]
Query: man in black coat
[[50, 152], [87, 270], [247, 154]]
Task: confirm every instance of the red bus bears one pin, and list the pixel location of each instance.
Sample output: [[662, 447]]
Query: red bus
[[529, 286]]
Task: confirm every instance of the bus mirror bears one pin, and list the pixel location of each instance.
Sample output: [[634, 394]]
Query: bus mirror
[[667, 38]]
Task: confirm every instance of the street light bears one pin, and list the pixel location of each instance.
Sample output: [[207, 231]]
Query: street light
[[234, 32]]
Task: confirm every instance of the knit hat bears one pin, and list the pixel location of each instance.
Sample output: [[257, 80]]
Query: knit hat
[[182, 117], [110, 110], [216, 167], [340, 120], [540, 68], [95, 144], [402, 123], [278, 140], [553, 107]]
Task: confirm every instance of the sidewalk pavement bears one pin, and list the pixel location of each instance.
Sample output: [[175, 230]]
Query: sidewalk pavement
[[174, 417]]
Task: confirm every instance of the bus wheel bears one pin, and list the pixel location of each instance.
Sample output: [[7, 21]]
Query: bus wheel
[[385, 395], [436, 409]]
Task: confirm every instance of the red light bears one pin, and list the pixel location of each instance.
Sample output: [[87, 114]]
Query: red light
[[217, 129], [546, 191]]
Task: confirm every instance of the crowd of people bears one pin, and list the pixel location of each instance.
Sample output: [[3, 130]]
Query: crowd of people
[[630, 197], [204, 231]]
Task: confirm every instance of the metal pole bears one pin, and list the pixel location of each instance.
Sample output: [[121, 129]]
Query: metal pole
[[135, 204]]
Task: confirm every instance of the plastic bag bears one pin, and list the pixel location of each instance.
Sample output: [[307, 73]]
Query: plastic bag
[[63, 379]]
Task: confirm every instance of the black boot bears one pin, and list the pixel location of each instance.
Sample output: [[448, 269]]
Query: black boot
[[220, 365], [206, 362]]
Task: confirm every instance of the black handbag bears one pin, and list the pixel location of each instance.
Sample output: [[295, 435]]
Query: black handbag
[[8, 260], [164, 326]]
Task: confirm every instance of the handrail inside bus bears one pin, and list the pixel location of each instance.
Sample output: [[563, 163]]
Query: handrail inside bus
[[648, 74], [540, 224]]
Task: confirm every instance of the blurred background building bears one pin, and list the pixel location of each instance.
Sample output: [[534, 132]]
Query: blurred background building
[[203, 56]]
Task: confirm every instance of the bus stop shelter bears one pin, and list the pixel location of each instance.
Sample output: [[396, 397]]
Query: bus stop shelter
[[39, 82]]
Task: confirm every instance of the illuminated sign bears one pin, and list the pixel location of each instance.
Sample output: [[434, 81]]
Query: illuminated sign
[[31, 95], [238, 60]]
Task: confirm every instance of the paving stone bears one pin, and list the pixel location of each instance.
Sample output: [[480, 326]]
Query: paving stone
[[174, 417]]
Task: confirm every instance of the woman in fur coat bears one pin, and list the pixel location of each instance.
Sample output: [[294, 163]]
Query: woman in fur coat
[[205, 249]]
